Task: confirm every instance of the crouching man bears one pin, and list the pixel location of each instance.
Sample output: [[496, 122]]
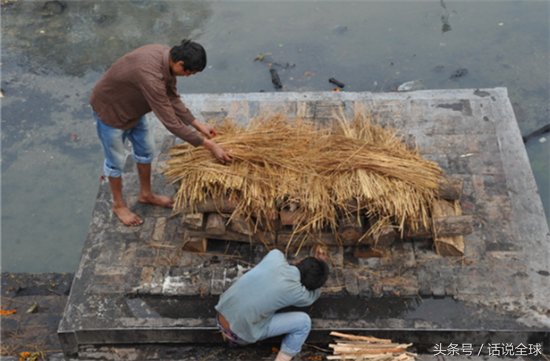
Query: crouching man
[[247, 310]]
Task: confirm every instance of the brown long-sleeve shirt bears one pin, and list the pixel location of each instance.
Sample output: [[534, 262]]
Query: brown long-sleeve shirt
[[138, 83]]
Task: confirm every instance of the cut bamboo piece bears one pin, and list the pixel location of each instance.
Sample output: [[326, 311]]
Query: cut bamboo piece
[[215, 224]]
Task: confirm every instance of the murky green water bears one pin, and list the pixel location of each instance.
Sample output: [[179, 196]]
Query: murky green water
[[54, 51]]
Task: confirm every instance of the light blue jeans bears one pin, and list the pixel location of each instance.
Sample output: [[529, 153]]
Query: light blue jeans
[[113, 139], [294, 325]]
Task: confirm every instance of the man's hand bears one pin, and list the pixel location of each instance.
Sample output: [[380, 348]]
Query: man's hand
[[208, 131], [321, 253], [221, 155]]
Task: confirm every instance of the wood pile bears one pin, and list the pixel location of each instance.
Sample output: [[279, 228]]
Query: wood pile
[[367, 348], [292, 184]]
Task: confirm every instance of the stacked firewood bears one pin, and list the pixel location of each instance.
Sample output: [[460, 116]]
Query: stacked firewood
[[293, 183], [216, 219], [363, 348]]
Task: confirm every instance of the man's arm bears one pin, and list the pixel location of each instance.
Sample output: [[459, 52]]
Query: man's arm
[[306, 297], [176, 118], [209, 132], [221, 155], [154, 92]]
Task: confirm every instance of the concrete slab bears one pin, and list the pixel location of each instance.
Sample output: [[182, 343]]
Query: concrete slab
[[136, 285]]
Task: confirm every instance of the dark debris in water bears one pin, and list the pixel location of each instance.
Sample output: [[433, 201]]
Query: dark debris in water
[[54, 7], [42, 284], [459, 73]]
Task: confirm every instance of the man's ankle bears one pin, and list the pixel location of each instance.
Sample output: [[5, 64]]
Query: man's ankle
[[281, 356]]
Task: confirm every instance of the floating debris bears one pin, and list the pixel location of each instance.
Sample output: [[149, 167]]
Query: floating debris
[[55, 7], [536, 133], [410, 86], [340, 29], [74, 137], [275, 79], [459, 73], [262, 56], [337, 83], [33, 308]]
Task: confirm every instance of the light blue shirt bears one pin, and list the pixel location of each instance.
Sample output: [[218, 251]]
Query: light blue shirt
[[250, 303]]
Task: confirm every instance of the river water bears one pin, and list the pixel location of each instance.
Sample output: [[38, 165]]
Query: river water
[[53, 52]]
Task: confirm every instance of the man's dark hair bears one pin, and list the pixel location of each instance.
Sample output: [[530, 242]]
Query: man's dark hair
[[313, 273], [192, 54]]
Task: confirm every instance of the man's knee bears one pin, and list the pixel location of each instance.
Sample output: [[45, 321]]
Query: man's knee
[[305, 321]]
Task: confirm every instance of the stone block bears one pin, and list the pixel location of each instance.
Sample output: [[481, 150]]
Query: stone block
[[158, 232]]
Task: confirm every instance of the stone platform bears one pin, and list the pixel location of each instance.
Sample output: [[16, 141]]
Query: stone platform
[[136, 285]]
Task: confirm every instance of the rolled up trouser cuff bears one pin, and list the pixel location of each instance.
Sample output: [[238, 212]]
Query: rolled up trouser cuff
[[143, 159], [111, 172]]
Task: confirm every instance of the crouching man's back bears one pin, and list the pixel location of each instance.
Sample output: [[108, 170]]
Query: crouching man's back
[[247, 310]]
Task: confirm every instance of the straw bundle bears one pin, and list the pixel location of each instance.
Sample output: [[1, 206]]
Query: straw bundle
[[281, 163]]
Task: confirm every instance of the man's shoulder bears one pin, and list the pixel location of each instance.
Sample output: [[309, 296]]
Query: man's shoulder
[[147, 53], [276, 254]]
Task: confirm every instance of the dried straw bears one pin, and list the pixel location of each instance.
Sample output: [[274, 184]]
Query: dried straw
[[280, 163]]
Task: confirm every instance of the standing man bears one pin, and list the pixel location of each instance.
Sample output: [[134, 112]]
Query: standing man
[[141, 81], [247, 311]]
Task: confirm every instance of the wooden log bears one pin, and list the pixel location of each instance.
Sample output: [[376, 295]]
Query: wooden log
[[193, 220], [448, 245], [385, 239], [368, 252], [215, 224], [261, 237], [444, 227], [194, 244], [198, 245], [241, 225], [288, 217], [283, 239], [450, 188], [359, 337], [350, 228], [365, 351], [443, 208], [224, 205]]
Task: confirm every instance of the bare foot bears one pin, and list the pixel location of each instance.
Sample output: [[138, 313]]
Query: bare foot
[[126, 216], [156, 200]]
